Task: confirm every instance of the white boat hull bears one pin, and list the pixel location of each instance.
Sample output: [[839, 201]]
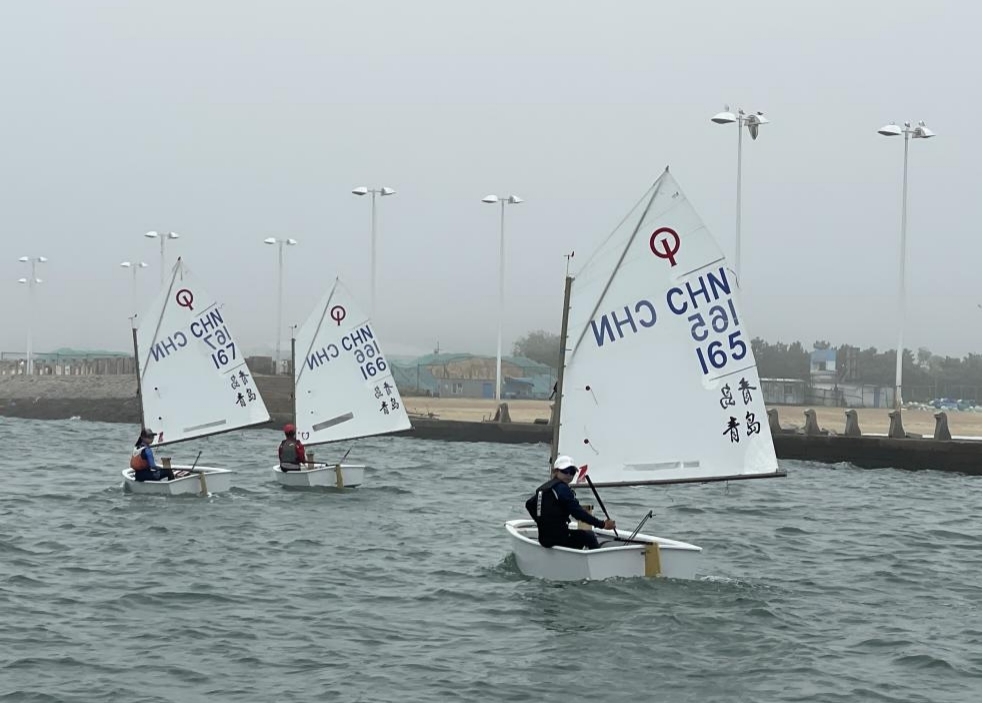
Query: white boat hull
[[322, 475], [669, 559], [204, 480]]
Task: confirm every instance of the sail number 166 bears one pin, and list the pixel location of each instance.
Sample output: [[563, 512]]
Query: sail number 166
[[370, 361]]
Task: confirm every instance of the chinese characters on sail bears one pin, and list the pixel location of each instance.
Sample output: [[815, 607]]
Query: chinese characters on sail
[[752, 425]]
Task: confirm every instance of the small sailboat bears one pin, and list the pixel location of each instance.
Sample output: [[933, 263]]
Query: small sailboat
[[657, 384], [343, 389], [192, 380]]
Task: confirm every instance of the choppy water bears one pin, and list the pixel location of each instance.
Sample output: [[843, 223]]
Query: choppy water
[[834, 584]]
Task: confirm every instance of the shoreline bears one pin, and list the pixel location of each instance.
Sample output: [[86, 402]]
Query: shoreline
[[112, 398]]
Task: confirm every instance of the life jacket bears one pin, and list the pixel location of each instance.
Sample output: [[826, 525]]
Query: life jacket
[[137, 461], [544, 507], [288, 452]]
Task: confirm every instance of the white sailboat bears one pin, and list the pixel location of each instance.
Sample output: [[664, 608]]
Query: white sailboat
[[657, 383], [343, 388], [192, 380]]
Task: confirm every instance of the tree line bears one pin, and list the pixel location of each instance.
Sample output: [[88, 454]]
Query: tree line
[[925, 375]]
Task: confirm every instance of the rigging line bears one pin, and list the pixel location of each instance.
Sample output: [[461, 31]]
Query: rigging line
[[317, 331], [600, 299]]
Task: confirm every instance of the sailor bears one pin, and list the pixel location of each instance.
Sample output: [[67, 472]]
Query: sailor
[[142, 460], [553, 505], [291, 451]]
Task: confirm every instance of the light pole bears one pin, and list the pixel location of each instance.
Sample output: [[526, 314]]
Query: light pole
[[360, 191], [510, 200], [134, 266], [162, 236], [753, 122], [920, 131], [31, 283], [279, 292]]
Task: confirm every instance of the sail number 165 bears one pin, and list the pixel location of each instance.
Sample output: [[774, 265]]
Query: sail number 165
[[719, 318]]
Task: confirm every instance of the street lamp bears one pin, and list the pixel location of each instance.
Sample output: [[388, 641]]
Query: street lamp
[[134, 266], [510, 200], [279, 294], [162, 236], [753, 122], [920, 131], [362, 190], [31, 283]]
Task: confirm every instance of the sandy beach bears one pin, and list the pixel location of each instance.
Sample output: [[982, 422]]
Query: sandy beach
[[872, 420]]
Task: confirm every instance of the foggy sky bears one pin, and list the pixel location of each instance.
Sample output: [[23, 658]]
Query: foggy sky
[[229, 122]]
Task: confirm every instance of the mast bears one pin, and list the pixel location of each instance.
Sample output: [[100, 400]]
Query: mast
[[136, 361], [293, 378], [555, 442]]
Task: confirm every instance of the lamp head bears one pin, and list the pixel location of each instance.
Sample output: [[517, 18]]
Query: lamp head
[[725, 117]]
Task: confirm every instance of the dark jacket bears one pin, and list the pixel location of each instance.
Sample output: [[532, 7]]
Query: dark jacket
[[552, 506]]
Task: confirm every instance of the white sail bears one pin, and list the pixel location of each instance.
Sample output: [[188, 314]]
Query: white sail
[[193, 377], [660, 383], [343, 383]]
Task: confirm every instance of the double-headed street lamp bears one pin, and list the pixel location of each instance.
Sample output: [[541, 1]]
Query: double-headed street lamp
[[753, 122], [384, 191], [919, 131], [279, 294], [162, 236], [505, 200], [31, 283]]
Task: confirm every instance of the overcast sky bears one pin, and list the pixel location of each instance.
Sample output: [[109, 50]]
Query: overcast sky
[[229, 122]]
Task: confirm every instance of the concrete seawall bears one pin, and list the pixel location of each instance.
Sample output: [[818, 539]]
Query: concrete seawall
[[114, 399]]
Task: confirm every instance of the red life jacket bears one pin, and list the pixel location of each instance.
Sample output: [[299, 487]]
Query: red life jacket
[[137, 460]]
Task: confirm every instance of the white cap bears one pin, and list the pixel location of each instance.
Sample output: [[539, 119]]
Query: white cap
[[562, 462]]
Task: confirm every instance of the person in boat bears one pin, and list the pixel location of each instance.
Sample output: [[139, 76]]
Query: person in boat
[[554, 503], [291, 451], [142, 460]]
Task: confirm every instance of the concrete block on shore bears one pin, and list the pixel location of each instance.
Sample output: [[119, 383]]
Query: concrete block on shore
[[942, 426], [852, 424], [812, 428]]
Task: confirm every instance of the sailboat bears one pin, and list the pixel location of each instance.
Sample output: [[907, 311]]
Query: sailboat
[[192, 380], [657, 384], [343, 388]]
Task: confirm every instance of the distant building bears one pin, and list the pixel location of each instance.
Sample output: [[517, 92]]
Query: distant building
[[835, 387], [472, 376]]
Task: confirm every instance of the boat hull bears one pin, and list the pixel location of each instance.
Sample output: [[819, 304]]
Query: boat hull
[[671, 559], [326, 476], [205, 479]]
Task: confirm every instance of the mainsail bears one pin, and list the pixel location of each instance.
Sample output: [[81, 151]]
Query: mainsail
[[343, 383], [660, 383], [193, 377]]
